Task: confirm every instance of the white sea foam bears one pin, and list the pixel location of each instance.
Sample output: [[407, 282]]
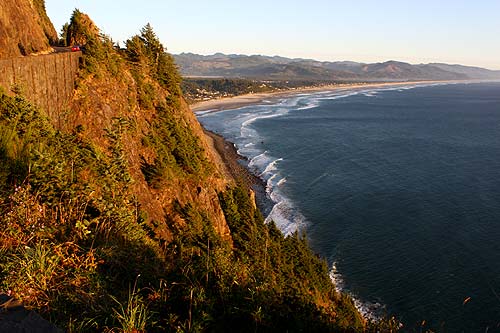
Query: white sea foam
[[283, 213], [251, 120], [258, 160], [343, 93], [281, 182], [204, 112], [246, 132], [271, 167], [369, 310], [286, 217], [411, 87], [263, 115], [270, 184], [310, 105], [334, 97]]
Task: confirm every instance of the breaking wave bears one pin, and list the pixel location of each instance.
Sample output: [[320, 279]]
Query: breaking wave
[[370, 310]]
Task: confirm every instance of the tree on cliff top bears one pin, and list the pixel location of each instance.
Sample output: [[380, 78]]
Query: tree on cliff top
[[147, 50], [99, 49], [81, 29]]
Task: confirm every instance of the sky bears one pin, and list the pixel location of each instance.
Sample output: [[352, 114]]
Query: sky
[[451, 31]]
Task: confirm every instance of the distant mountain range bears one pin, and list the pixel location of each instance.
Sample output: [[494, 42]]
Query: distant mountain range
[[280, 68]]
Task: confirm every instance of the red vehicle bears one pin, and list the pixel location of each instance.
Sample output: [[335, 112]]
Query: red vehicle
[[75, 48]]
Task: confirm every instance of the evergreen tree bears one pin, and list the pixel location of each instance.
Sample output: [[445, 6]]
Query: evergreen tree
[[63, 41]]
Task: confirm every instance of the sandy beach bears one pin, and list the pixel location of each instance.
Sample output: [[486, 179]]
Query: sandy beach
[[250, 99]]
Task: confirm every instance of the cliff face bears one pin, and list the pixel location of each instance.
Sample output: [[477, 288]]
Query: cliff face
[[99, 101], [101, 96], [105, 93], [24, 28]]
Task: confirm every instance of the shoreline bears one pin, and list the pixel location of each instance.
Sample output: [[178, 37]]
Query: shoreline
[[235, 102], [235, 170], [229, 156], [239, 173], [226, 151], [370, 310]]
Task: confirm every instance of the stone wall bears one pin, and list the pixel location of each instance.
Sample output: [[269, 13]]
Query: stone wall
[[45, 80]]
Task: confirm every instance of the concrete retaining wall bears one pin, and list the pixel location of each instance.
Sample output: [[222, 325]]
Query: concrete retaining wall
[[45, 80]]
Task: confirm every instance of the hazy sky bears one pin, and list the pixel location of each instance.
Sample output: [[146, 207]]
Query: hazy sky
[[451, 31]]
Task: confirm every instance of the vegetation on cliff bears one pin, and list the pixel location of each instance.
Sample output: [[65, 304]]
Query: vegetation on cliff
[[116, 218]]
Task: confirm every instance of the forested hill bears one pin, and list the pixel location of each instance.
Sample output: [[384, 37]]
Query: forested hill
[[281, 68], [116, 214]]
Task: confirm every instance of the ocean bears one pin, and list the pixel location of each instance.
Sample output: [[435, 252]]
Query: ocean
[[398, 188]]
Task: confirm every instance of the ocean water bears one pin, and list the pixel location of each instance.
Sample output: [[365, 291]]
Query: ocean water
[[398, 188]]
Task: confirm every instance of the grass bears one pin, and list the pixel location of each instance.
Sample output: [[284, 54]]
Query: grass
[[35, 268], [133, 316]]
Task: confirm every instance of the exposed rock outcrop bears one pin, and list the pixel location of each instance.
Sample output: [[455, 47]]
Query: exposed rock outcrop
[[24, 28], [99, 101]]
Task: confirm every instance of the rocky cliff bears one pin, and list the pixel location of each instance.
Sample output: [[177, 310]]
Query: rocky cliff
[[100, 98], [24, 28], [116, 216], [106, 92]]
